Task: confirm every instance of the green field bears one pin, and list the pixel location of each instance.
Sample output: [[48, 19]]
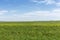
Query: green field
[[45, 30]]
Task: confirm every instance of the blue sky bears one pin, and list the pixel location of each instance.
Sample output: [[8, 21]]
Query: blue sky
[[29, 10]]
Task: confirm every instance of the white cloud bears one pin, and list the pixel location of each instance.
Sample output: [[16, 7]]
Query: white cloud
[[44, 1], [38, 1], [50, 2], [2, 12], [47, 2], [33, 16], [58, 4], [41, 15]]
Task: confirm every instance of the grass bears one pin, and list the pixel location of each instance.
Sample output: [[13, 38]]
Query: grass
[[30, 30]]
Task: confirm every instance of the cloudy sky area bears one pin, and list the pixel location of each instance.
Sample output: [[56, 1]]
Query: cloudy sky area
[[29, 10]]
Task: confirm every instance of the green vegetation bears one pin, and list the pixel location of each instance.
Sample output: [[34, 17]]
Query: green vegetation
[[30, 30]]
